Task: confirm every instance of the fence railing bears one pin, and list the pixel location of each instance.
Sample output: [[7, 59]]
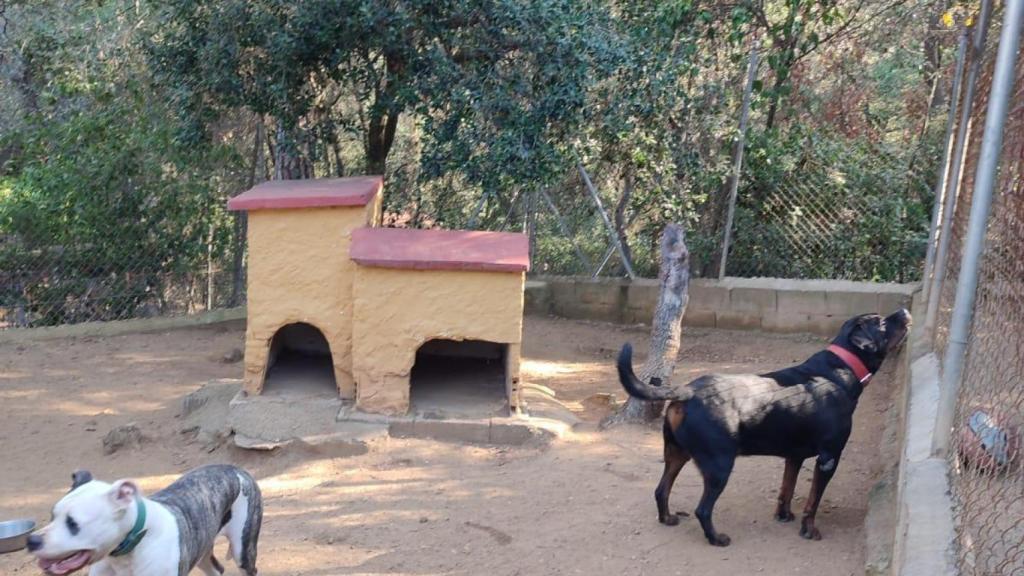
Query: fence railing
[[984, 447]]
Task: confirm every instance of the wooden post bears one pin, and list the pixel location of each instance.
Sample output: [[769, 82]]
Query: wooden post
[[737, 163]]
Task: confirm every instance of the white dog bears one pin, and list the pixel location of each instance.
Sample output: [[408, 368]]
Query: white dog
[[116, 531]]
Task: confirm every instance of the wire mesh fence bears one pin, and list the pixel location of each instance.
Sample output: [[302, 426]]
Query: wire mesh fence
[[823, 212], [834, 219], [48, 281], [986, 450]]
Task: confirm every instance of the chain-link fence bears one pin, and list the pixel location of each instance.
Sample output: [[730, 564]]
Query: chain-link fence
[[858, 216], [986, 456], [49, 279]]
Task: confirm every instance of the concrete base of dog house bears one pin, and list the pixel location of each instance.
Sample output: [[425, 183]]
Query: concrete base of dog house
[[268, 421], [271, 420]]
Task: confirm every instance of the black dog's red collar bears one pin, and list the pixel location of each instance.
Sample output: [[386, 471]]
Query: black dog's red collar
[[859, 369]]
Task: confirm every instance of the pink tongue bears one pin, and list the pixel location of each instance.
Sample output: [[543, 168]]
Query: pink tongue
[[65, 566]]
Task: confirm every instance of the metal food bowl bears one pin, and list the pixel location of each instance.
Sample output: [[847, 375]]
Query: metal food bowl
[[13, 534]]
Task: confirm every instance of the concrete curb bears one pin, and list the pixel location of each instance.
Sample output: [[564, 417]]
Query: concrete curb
[[119, 327], [509, 430], [925, 531]]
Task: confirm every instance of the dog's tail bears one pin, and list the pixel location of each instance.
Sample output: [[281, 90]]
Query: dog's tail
[[637, 388]]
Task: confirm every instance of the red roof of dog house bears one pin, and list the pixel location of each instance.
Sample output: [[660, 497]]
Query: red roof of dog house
[[358, 191], [440, 249]]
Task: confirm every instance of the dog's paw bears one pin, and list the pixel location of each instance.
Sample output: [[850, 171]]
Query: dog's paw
[[720, 539], [673, 519], [810, 533], [784, 515]]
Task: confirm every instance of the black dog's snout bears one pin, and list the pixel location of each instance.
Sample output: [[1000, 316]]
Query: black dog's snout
[[34, 542]]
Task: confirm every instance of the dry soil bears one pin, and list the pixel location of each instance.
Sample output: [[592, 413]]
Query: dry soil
[[583, 505]]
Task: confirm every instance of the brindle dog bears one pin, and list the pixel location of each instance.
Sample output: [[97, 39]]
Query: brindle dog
[[796, 413]]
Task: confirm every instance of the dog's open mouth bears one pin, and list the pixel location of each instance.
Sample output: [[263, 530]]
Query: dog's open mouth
[[65, 565]]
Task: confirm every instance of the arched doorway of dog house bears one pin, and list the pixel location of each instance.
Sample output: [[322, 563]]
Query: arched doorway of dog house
[[461, 379], [299, 363]]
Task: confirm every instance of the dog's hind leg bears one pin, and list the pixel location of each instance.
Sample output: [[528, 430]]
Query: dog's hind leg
[[716, 476], [243, 530], [209, 565], [784, 511], [675, 458]]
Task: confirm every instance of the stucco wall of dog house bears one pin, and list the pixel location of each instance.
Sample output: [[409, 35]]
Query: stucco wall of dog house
[[299, 260], [397, 310]]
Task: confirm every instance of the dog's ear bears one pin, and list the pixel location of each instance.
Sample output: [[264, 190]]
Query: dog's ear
[[862, 342], [79, 477], [123, 493], [864, 336]]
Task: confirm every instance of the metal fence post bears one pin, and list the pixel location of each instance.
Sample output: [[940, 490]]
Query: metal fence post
[[940, 181], [981, 203], [963, 129], [604, 216], [738, 160]]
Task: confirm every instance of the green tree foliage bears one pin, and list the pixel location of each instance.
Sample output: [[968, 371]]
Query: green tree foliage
[[101, 215], [492, 84], [124, 125]]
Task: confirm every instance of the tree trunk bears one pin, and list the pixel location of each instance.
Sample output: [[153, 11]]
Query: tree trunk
[[781, 77], [339, 164], [380, 133], [782, 71], [379, 138], [932, 65], [289, 162], [242, 221], [666, 328]]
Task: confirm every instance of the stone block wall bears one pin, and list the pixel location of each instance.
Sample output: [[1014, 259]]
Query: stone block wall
[[770, 304]]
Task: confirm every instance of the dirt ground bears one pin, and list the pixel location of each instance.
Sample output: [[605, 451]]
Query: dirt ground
[[583, 505]]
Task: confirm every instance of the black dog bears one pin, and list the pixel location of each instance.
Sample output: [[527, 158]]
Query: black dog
[[796, 413]]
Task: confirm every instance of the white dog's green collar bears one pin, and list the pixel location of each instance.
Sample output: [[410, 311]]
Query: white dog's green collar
[[137, 533]]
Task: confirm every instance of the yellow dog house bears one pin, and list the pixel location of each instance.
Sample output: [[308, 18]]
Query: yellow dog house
[[382, 304]]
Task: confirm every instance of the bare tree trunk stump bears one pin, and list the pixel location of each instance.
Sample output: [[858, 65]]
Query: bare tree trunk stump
[[666, 327]]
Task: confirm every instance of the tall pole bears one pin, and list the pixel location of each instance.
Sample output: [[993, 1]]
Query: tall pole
[[737, 163], [962, 131], [940, 181], [981, 204], [607, 222]]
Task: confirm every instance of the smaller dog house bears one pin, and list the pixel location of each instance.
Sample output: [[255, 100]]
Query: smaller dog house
[[380, 308], [439, 293]]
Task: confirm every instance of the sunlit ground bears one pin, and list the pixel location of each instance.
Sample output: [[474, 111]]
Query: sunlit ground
[[581, 506]]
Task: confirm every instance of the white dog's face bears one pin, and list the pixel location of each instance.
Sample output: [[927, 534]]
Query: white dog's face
[[88, 523]]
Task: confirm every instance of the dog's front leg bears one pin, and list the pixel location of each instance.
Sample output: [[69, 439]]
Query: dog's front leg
[[784, 511], [824, 468]]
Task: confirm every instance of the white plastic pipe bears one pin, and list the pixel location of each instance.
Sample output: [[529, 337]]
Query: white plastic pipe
[[962, 131], [981, 204]]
